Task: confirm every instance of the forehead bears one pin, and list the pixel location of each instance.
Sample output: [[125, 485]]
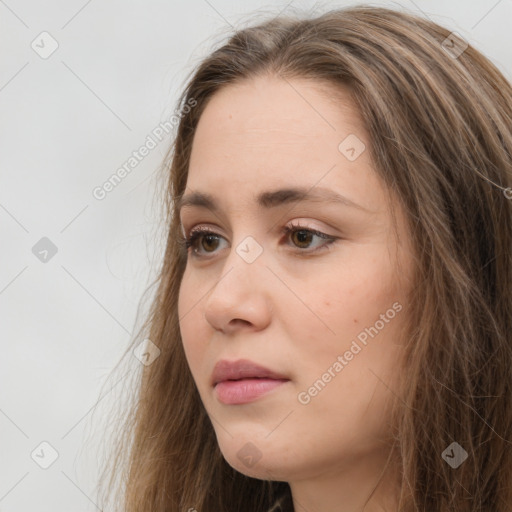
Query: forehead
[[270, 110], [268, 132]]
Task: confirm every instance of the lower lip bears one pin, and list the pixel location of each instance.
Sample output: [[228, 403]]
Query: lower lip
[[231, 392]]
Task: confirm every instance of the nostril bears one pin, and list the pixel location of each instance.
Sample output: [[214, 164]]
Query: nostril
[[237, 321]]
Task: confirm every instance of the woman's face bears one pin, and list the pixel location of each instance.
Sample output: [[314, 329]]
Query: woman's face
[[322, 312]]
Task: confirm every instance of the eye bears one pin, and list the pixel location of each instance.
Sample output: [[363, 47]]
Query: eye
[[301, 237], [207, 238]]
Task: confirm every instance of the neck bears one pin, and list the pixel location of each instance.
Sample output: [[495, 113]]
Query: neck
[[365, 484]]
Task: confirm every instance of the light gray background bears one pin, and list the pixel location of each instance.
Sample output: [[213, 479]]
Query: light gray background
[[67, 123]]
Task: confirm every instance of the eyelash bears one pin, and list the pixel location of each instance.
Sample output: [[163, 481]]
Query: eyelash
[[196, 233]]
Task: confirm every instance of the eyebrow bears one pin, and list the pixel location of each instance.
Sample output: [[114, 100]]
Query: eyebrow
[[274, 198]]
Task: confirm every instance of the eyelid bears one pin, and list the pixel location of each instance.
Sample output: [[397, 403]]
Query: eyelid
[[294, 224], [202, 228]]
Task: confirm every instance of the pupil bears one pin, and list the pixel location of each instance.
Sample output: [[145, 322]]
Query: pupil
[[303, 236], [209, 238]]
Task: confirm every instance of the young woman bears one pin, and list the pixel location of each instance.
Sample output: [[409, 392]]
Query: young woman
[[334, 310]]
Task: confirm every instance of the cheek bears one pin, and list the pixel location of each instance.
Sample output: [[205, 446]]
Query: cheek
[[187, 311], [346, 303], [346, 298], [189, 303], [359, 286]]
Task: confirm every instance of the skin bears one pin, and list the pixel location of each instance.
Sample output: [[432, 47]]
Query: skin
[[291, 312]]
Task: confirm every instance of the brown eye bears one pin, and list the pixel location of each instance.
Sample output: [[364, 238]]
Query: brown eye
[[209, 241], [204, 242], [302, 238]]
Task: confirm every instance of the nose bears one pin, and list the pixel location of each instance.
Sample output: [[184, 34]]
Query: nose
[[240, 297]]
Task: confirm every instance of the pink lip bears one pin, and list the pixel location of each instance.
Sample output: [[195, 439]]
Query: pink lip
[[242, 381], [241, 369], [232, 392]]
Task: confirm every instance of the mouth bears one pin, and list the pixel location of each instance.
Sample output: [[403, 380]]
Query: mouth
[[242, 391], [243, 381], [242, 369]]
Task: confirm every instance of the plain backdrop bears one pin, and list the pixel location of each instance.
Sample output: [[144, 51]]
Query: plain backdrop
[[74, 267]]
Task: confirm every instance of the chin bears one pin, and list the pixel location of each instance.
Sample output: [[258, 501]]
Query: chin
[[261, 470], [254, 458]]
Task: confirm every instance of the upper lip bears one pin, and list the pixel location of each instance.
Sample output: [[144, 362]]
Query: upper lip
[[241, 369]]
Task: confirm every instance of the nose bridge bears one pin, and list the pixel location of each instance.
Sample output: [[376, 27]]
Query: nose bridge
[[245, 264], [239, 292]]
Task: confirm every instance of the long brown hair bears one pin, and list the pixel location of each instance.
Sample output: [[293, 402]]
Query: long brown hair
[[439, 119]]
